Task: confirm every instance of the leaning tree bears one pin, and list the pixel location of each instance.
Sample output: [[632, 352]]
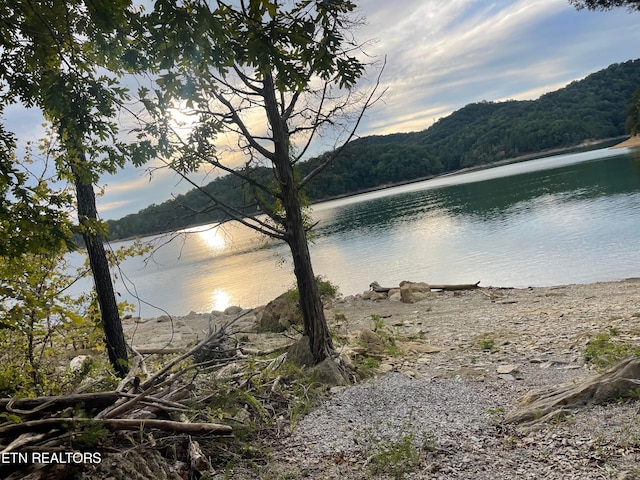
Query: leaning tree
[[272, 77], [58, 57]]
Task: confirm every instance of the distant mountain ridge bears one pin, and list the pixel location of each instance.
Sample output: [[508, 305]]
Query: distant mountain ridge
[[480, 133]]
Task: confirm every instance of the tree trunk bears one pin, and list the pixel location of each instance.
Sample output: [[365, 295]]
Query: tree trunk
[[311, 307], [88, 217], [315, 323]]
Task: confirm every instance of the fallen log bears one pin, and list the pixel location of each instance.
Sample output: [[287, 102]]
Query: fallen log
[[40, 404], [462, 286], [376, 287], [116, 424]]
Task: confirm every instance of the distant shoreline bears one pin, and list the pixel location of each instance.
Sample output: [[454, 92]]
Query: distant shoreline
[[631, 142], [614, 142], [587, 145]]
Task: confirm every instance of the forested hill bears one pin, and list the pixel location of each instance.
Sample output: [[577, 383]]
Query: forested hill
[[590, 109]]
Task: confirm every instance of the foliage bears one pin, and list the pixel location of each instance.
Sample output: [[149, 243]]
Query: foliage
[[605, 350], [43, 326], [26, 196], [589, 109], [487, 341], [63, 58], [325, 288], [633, 118], [395, 456], [605, 4]]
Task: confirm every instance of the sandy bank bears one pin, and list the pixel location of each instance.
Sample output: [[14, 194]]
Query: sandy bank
[[632, 142]]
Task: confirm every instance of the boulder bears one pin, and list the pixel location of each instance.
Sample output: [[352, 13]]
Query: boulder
[[371, 295], [279, 314], [411, 292], [370, 342], [300, 353], [233, 310], [328, 373], [394, 295]]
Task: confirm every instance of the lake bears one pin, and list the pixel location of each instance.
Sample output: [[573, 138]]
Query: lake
[[564, 219]]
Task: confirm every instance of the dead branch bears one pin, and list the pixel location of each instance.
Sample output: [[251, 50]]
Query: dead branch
[[116, 424], [30, 406]]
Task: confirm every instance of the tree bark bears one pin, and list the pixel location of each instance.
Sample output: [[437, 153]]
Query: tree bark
[[311, 307], [94, 242]]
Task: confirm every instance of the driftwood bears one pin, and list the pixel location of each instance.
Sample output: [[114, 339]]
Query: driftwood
[[45, 422], [621, 381], [376, 287], [28, 406], [462, 286], [116, 424]]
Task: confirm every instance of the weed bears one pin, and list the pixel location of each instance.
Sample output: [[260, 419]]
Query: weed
[[388, 337], [603, 350], [397, 456], [487, 341], [378, 322], [325, 288]]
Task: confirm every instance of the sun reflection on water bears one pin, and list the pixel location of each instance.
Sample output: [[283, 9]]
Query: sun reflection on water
[[220, 300], [214, 237]]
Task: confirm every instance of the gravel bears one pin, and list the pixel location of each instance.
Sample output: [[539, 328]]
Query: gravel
[[390, 406], [456, 398]]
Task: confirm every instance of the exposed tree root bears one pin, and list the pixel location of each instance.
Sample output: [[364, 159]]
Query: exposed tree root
[[621, 381]]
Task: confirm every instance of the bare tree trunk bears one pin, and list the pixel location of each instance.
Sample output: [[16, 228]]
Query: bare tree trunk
[[87, 216], [314, 321]]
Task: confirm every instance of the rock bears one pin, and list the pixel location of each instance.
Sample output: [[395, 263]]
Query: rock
[[419, 347], [385, 368], [371, 295], [328, 372], [394, 295], [300, 353], [370, 341], [411, 292], [232, 310], [76, 363], [421, 287], [506, 369], [468, 372], [279, 314]]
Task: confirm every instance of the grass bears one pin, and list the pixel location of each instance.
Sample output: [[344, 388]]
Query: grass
[[604, 350], [487, 341], [397, 456]]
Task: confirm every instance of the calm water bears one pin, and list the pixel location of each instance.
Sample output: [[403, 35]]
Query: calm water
[[564, 219]]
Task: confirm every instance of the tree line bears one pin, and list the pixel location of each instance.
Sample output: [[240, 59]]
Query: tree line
[[601, 106]]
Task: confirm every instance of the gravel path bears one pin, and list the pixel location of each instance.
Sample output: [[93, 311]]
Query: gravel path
[[449, 396]]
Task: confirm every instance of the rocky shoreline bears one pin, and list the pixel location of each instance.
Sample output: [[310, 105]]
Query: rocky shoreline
[[466, 357]]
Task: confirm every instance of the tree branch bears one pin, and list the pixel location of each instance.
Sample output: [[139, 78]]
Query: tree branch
[[372, 98]]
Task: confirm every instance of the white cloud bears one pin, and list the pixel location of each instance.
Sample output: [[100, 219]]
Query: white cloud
[[441, 55]]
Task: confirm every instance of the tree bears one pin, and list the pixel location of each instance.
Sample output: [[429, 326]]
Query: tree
[[274, 77], [52, 54], [633, 116], [605, 4]]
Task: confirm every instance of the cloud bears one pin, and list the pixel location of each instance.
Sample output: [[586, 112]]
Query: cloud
[[440, 56]]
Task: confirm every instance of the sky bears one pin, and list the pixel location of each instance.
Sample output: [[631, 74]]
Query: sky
[[440, 56]]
